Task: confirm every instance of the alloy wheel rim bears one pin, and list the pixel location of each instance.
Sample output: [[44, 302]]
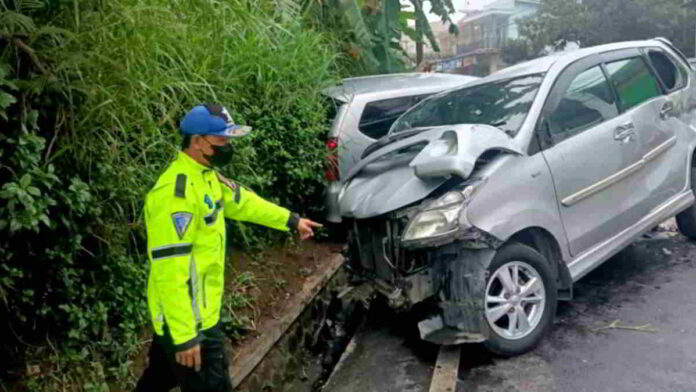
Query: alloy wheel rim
[[515, 300]]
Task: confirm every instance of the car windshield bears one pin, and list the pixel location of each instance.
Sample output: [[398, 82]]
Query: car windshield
[[503, 104]]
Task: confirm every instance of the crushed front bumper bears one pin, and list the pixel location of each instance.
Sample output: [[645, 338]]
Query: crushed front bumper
[[455, 272], [459, 276]]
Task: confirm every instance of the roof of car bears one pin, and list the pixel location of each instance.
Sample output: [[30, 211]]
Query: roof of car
[[351, 87], [543, 64]]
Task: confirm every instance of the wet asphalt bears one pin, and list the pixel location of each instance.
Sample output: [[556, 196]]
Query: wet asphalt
[[648, 290]]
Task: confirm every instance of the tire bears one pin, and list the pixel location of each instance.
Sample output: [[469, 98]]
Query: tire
[[538, 311], [686, 220]]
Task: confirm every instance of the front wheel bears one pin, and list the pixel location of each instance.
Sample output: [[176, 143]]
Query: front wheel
[[520, 302]]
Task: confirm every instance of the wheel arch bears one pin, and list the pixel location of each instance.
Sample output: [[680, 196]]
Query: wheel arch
[[545, 243]]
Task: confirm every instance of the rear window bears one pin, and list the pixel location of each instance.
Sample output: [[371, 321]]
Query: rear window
[[378, 116], [502, 104], [633, 81], [673, 76], [332, 105]]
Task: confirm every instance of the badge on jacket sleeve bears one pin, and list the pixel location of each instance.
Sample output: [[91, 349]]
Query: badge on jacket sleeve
[[181, 222]]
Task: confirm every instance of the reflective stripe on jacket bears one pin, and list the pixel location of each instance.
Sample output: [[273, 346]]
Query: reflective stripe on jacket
[[184, 214]]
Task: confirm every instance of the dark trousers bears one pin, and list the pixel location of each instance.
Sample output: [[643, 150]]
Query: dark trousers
[[164, 373]]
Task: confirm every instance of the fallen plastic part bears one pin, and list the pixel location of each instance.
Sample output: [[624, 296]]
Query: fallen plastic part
[[433, 330]]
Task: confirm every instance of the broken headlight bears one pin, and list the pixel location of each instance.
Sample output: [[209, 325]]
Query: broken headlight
[[443, 216]]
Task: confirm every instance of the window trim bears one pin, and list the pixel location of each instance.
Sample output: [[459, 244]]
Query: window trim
[[542, 134], [569, 135], [670, 57], [670, 46], [640, 55]]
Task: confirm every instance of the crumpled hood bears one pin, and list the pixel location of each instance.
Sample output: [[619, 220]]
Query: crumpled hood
[[408, 170]]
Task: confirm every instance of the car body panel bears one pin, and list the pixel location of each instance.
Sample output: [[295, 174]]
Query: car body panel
[[374, 188], [535, 200], [353, 95], [592, 193], [358, 92]]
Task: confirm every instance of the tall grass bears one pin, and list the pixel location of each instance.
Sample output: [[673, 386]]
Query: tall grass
[[150, 61], [124, 74]]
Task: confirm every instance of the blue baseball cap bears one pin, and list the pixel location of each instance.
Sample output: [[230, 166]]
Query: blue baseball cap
[[211, 119]]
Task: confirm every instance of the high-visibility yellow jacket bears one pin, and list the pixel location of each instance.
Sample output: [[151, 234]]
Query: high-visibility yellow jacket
[[184, 214]]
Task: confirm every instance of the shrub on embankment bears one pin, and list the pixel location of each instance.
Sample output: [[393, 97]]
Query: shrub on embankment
[[90, 97]]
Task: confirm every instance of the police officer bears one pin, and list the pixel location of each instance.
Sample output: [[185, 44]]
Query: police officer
[[185, 216]]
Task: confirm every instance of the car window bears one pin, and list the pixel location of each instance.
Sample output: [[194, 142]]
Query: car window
[[588, 101], [673, 76], [633, 80], [332, 106], [378, 116], [503, 104]]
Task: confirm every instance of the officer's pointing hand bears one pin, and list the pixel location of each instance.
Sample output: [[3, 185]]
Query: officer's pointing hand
[[190, 358], [305, 228]]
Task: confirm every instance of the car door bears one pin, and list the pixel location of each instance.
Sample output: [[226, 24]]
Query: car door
[[667, 172], [649, 113], [591, 151]]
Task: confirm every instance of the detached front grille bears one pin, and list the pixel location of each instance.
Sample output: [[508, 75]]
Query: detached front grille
[[376, 249]]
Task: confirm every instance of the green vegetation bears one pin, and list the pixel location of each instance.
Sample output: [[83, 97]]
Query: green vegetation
[[370, 30], [594, 22], [90, 98]]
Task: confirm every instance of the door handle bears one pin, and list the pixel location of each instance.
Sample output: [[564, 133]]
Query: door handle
[[624, 133], [666, 110]]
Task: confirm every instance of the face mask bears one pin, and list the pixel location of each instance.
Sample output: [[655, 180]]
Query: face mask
[[221, 156]]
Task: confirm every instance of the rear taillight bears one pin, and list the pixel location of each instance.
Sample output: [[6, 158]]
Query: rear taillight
[[331, 171], [332, 144]]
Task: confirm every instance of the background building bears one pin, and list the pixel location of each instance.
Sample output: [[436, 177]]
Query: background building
[[482, 34]]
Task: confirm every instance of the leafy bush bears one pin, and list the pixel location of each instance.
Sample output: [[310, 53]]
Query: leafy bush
[[89, 113]]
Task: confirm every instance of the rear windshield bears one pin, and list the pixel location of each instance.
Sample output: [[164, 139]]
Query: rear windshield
[[503, 104], [332, 105]]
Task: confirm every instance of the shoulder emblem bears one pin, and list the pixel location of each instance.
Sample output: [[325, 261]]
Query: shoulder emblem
[[181, 221]]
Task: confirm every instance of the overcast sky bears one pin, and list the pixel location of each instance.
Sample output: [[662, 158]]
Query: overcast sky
[[459, 5]]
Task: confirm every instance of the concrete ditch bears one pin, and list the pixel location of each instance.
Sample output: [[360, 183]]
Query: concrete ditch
[[298, 351]]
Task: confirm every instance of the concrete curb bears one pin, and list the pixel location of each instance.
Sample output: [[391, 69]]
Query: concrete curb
[[252, 353]]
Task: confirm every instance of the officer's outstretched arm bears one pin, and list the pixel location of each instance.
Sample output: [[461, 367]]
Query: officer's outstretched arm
[[171, 228], [244, 205]]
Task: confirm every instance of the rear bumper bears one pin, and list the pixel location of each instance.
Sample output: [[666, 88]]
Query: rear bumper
[[333, 213]]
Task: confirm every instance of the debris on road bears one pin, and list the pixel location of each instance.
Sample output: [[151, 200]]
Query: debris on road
[[615, 325], [446, 369]]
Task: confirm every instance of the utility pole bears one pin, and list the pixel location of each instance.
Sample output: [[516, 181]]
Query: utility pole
[[419, 32]]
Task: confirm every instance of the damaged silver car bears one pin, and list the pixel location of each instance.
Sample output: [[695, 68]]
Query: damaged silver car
[[493, 198]]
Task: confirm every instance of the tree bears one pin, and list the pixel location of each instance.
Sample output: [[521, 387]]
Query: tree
[[593, 22], [517, 50], [371, 30]]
